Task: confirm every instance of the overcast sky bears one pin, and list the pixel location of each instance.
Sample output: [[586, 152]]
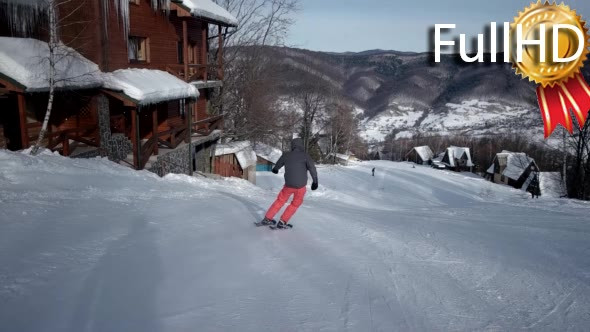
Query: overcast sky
[[359, 25]]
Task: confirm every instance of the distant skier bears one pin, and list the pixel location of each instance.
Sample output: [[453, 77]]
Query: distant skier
[[535, 188], [297, 163], [373, 171]]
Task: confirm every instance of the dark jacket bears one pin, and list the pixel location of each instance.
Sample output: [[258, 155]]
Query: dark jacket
[[297, 163]]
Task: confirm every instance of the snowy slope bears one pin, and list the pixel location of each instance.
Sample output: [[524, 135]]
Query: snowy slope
[[470, 116], [86, 245]]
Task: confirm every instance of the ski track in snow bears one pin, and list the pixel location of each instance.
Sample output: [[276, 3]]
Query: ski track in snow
[[86, 245]]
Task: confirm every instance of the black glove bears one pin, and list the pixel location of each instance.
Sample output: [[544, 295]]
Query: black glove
[[276, 171], [314, 186]]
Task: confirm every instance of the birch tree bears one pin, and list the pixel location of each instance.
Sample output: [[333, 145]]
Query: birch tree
[[53, 44]]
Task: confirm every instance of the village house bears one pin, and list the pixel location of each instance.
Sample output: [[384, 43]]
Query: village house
[[340, 159], [457, 159], [514, 169], [236, 159], [135, 84], [421, 155], [267, 157]]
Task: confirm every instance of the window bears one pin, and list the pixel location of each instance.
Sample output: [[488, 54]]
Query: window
[[135, 2], [192, 48], [180, 53], [138, 48], [192, 52]]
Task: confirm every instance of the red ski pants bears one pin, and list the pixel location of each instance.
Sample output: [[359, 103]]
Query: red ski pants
[[283, 197]]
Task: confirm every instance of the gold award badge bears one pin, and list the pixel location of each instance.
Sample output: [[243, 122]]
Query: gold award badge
[[551, 47]]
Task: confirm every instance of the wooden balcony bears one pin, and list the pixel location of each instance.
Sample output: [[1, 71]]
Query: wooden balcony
[[167, 137], [207, 126], [196, 72], [66, 138]]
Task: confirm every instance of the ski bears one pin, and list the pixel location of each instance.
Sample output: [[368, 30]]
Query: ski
[[263, 223], [274, 227]]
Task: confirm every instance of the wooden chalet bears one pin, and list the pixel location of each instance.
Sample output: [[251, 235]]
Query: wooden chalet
[[154, 77], [421, 155], [515, 169], [457, 159], [236, 159]]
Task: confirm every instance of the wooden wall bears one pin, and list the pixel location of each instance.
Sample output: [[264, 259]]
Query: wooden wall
[[227, 165], [164, 33]]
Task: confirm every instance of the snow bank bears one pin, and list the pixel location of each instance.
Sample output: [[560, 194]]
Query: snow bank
[[210, 10], [26, 61], [89, 245], [148, 86]]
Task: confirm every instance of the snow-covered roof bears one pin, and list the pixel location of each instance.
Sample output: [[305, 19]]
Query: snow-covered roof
[[243, 151], [424, 152], [267, 152], [210, 10], [516, 163], [26, 62], [439, 157], [147, 86], [340, 156], [456, 152]]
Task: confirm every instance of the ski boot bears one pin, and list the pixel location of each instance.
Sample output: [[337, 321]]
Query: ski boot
[[281, 225], [265, 222]]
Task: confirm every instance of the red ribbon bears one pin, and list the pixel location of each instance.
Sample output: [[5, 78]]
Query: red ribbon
[[557, 101]]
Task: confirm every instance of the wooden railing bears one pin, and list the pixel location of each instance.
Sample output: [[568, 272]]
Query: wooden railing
[[206, 126], [87, 135], [172, 137], [196, 72], [176, 136], [147, 149]]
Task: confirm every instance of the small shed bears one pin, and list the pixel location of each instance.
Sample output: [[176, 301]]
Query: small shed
[[236, 159], [267, 156], [515, 169], [339, 158], [457, 159], [421, 155]]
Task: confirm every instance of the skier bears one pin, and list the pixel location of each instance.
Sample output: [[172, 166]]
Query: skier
[[297, 163], [373, 171], [534, 187]]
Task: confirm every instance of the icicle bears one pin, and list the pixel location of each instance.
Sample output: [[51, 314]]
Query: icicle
[[105, 15], [161, 4], [122, 9], [24, 16]]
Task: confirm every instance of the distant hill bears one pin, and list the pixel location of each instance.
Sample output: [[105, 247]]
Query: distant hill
[[408, 93]]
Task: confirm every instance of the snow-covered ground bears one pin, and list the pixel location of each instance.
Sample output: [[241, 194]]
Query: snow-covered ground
[[86, 245]]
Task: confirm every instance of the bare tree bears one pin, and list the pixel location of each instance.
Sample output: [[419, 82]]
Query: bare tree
[[249, 96], [579, 174], [343, 132]]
